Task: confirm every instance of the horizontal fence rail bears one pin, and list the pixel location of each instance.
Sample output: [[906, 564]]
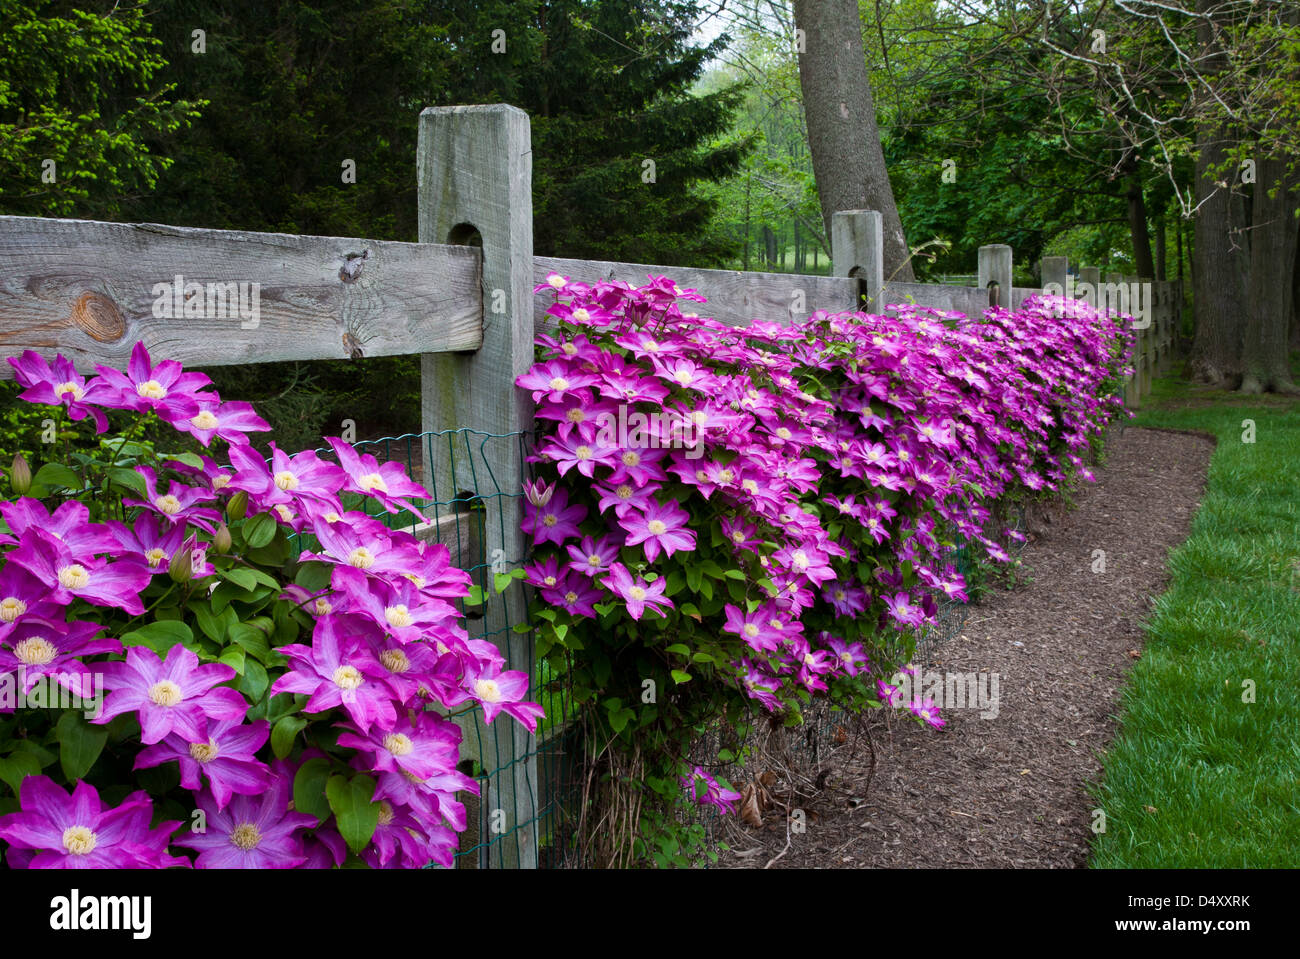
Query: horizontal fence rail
[[90, 290]]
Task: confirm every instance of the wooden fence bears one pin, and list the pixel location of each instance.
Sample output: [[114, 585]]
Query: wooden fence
[[210, 297]]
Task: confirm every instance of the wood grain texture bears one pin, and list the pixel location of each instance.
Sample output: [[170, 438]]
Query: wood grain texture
[[734, 298], [474, 169], [857, 250], [90, 290], [970, 300]]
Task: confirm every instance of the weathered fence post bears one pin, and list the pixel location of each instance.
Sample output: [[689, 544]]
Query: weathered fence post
[[474, 169], [1054, 270], [857, 250], [995, 267], [1090, 279]]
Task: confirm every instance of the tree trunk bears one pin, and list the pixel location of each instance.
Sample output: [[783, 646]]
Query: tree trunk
[[1295, 301], [1162, 250], [1219, 253], [848, 162], [1265, 364], [1137, 225]]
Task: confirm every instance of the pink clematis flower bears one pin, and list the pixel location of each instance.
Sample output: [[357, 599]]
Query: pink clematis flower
[[117, 584], [152, 538], [250, 833], [165, 388], [593, 557], [339, 669], [554, 522], [707, 791], [179, 505], [36, 649], [637, 593], [388, 483], [226, 760], [172, 695], [659, 527], [926, 711], [70, 523], [428, 746], [503, 692], [60, 386], [227, 421], [58, 831], [402, 841]]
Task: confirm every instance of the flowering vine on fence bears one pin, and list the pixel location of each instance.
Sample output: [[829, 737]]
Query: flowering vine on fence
[[733, 516], [266, 706]]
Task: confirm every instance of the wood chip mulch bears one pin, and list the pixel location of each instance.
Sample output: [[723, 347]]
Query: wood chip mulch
[[1010, 791]]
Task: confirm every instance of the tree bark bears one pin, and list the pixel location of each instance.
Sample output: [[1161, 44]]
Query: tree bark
[[1219, 251], [1265, 365], [1137, 225], [1295, 301], [848, 162], [1162, 249]]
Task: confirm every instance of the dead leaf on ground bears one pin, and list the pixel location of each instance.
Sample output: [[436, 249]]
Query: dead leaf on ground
[[750, 811]]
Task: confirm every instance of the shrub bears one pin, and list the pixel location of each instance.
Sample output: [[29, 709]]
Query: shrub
[[286, 706], [727, 518]]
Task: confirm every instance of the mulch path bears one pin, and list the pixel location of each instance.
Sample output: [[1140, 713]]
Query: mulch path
[[1009, 791]]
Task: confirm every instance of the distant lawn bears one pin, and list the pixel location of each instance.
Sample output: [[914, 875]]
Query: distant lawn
[[1222, 776]]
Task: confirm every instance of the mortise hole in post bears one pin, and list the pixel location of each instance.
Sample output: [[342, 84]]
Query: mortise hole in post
[[859, 274], [465, 234], [995, 293]]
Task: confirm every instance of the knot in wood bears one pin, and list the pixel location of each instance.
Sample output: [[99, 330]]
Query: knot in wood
[[99, 317]]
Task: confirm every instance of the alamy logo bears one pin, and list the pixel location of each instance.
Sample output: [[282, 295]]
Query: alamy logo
[[75, 912], [56, 690], [664, 430], [952, 690], [215, 301], [1134, 299]]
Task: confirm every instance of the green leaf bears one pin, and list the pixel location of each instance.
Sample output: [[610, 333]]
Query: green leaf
[[161, 636], [680, 648], [17, 768], [189, 459], [233, 656], [128, 478], [357, 816], [252, 639], [314, 576], [309, 788], [681, 676], [284, 733], [56, 476], [254, 681], [80, 744], [475, 597], [502, 581], [259, 530], [245, 579]]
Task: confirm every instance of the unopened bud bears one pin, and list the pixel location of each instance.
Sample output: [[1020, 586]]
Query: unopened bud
[[221, 539], [538, 493], [181, 568], [238, 505], [20, 477]]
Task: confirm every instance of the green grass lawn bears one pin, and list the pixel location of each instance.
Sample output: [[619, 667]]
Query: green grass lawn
[[1196, 777]]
